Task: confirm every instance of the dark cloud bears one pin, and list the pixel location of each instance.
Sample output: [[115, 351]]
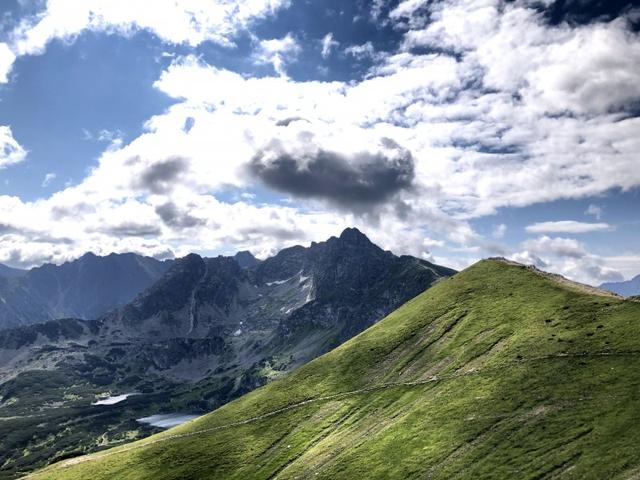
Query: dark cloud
[[403, 210], [166, 254], [132, 229], [160, 177], [492, 147], [257, 234], [172, 216], [357, 183], [602, 274], [280, 233], [285, 122], [59, 212], [583, 12], [5, 229], [33, 235], [52, 239], [18, 259]]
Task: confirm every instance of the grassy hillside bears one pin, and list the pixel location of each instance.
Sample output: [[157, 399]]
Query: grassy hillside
[[499, 372]]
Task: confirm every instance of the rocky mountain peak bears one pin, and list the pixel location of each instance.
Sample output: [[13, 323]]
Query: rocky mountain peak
[[355, 237], [246, 259]]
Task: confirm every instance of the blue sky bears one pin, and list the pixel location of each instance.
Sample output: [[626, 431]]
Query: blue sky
[[450, 129]]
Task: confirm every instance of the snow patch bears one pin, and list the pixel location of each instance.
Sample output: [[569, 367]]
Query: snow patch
[[168, 420], [114, 399]]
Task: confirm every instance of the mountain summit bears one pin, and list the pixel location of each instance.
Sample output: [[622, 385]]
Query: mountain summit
[[355, 237]]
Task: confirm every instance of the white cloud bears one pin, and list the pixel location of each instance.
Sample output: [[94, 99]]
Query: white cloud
[[376, 9], [278, 52], [191, 22], [7, 57], [528, 258], [432, 243], [559, 247], [628, 265], [363, 51], [328, 44], [595, 210], [48, 178], [509, 49], [589, 70], [499, 231], [572, 259], [10, 150], [567, 226]]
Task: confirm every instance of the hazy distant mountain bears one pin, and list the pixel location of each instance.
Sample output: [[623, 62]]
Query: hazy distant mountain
[[626, 289], [208, 331], [84, 288], [8, 272]]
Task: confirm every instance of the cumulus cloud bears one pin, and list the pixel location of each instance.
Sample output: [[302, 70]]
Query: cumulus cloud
[[627, 265], [567, 226], [561, 247], [10, 150], [528, 258], [554, 68], [573, 259]]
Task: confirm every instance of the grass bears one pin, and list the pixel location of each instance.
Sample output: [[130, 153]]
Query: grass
[[498, 372]]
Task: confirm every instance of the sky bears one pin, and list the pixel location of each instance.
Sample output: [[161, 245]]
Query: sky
[[452, 130]]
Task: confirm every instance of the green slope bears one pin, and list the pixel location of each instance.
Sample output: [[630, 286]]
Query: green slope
[[498, 372]]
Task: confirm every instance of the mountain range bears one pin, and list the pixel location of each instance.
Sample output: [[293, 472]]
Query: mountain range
[[501, 371], [626, 289], [207, 331], [84, 288]]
